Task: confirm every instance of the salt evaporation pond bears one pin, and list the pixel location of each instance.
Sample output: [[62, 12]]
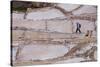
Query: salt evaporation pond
[[40, 52]]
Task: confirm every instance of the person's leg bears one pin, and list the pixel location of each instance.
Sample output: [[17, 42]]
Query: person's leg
[[79, 30], [76, 30]]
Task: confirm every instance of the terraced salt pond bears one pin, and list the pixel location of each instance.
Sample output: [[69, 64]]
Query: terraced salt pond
[[40, 52]]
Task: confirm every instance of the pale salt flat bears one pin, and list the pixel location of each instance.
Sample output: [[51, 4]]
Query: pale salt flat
[[68, 7], [41, 52], [85, 9], [42, 15]]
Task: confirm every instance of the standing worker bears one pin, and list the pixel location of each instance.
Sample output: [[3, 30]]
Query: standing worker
[[78, 27]]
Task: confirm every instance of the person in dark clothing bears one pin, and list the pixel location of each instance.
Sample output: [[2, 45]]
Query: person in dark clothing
[[78, 28]]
